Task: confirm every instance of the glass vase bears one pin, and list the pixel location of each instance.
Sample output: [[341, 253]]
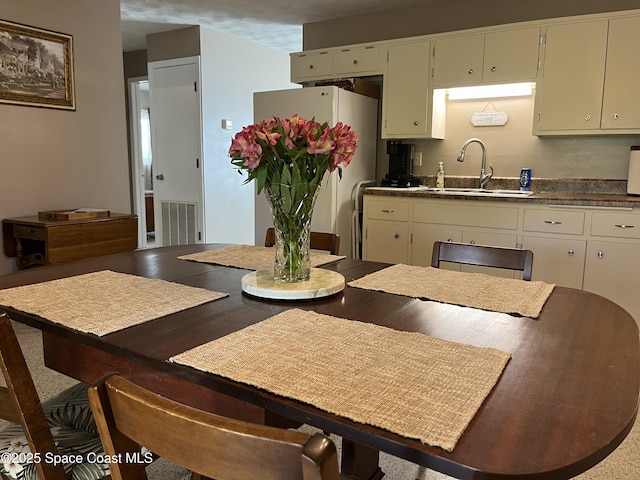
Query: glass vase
[[292, 208]]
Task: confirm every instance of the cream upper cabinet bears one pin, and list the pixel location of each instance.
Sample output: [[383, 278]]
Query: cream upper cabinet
[[311, 66], [495, 57], [590, 79], [358, 61], [621, 103], [458, 61], [409, 109], [569, 97]]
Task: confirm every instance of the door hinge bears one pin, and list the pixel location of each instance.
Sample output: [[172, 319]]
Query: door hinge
[[197, 163], [411, 238], [195, 87], [199, 236], [543, 40]]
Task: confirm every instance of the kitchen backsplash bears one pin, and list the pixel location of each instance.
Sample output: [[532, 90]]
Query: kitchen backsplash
[[512, 146]]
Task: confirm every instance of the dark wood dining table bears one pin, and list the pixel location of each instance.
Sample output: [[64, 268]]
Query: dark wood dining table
[[566, 399]]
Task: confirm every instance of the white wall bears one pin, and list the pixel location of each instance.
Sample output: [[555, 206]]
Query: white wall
[[58, 159], [232, 69]]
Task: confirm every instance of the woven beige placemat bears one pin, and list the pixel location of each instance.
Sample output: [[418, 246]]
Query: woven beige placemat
[[477, 290], [251, 257], [411, 384], [104, 302]]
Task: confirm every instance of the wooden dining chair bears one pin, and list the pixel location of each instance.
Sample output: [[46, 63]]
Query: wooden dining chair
[[217, 447], [484, 256], [62, 425], [318, 241]]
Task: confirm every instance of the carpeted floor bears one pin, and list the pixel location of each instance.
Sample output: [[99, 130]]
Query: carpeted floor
[[622, 464]]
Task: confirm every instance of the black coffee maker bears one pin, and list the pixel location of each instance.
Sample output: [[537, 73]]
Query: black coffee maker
[[400, 165]]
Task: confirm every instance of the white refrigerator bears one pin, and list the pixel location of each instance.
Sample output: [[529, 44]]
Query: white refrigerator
[[334, 206]]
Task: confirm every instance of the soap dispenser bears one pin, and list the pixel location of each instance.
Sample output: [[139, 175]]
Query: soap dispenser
[[440, 176]]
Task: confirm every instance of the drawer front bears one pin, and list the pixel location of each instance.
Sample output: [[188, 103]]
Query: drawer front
[[31, 233], [358, 60], [387, 210], [622, 225], [311, 65], [471, 214], [554, 221]]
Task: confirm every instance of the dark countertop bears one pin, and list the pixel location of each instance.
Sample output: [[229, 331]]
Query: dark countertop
[[586, 193]]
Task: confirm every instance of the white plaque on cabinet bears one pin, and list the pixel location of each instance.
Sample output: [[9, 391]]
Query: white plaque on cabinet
[[489, 118]]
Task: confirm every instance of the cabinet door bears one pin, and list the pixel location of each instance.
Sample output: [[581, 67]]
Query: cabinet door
[[493, 239], [621, 103], [424, 236], [406, 91], [386, 242], [569, 97], [511, 55], [557, 260], [610, 271], [311, 66], [458, 61], [358, 61]]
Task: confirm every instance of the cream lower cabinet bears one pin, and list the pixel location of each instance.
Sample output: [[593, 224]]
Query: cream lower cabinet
[[613, 259], [481, 223], [610, 269], [386, 229], [400, 230], [590, 248], [557, 260], [555, 236]]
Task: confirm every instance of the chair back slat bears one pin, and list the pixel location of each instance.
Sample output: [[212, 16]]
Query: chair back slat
[[484, 256], [128, 415]]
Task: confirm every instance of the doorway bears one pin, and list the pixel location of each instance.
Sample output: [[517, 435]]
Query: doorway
[[142, 159]]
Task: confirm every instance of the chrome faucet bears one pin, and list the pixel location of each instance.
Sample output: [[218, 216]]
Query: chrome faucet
[[484, 178]]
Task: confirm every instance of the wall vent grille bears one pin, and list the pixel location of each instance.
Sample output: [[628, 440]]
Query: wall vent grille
[[179, 223]]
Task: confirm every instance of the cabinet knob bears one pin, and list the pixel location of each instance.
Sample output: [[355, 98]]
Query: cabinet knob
[[493, 69], [397, 235], [310, 67], [600, 254], [587, 117], [615, 116], [472, 242], [470, 71], [160, 177], [415, 122], [355, 62], [571, 252]]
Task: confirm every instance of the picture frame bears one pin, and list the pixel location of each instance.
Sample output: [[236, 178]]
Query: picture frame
[[36, 67]]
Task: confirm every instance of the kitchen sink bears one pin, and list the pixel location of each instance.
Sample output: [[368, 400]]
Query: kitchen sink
[[477, 192]]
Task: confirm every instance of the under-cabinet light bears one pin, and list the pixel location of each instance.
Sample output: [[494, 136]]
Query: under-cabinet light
[[491, 91]]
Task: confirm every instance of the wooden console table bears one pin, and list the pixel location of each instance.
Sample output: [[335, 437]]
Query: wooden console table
[[34, 241]]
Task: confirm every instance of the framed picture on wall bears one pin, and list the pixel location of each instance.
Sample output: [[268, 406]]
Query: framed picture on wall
[[36, 67]]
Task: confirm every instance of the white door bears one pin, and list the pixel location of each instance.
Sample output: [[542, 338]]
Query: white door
[[176, 143]]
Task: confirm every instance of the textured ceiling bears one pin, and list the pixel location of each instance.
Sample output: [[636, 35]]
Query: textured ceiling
[[276, 23]]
